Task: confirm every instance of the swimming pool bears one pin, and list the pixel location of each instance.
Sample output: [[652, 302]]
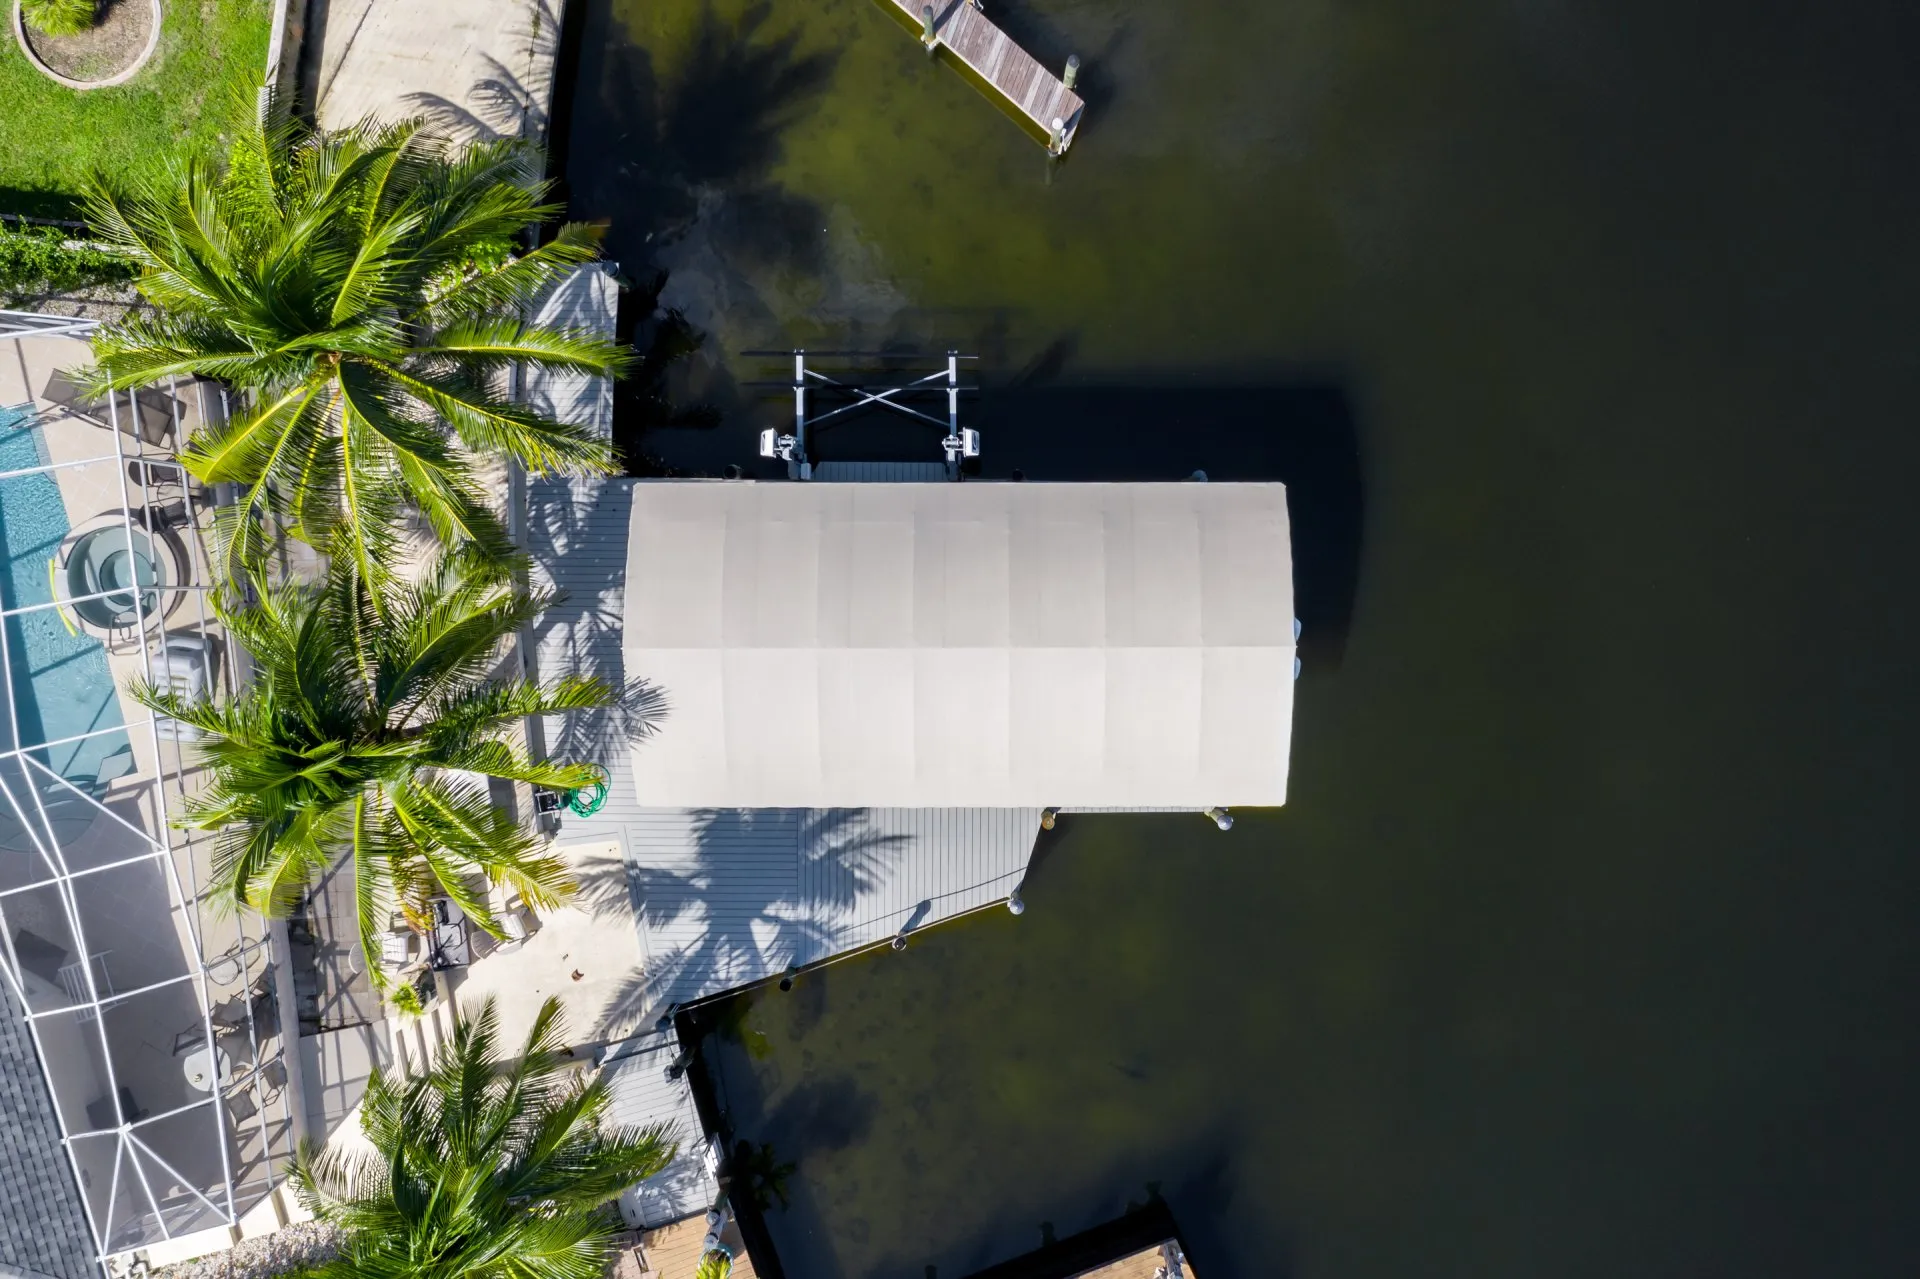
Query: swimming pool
[[59, 680]]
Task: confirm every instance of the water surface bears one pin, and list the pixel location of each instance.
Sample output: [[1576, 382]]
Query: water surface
[[1584, 335]]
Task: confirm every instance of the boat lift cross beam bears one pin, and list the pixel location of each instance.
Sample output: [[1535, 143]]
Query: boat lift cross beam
[[958, 444]]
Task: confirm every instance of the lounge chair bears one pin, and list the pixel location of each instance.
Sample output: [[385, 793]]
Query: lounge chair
[[185, 664], [148, 414]]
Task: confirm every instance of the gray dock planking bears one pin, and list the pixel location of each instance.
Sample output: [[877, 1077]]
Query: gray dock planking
[[990, 53]]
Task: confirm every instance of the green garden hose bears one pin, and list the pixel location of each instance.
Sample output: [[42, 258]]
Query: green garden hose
[[587, 800]]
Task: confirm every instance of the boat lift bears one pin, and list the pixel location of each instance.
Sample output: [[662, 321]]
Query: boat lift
[[814, 391]]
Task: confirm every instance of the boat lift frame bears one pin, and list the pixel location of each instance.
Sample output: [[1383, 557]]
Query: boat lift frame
[[958, 443]]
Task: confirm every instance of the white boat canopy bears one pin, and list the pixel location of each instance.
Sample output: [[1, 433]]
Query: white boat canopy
[[978, 644]]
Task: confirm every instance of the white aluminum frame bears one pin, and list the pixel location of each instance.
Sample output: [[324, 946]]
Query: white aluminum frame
[[135, 1141]]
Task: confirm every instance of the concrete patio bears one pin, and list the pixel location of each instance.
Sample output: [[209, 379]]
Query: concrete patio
[[478, 69], [585, 953]]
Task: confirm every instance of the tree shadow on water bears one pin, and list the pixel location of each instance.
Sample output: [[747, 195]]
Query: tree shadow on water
[[651, 155], [675, 158]]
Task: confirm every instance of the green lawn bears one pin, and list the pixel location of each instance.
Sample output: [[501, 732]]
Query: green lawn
[[53, 137]]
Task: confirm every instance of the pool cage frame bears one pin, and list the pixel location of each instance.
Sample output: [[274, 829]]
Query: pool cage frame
[[135, 1216]]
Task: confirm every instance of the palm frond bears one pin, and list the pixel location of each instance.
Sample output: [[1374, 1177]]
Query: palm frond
[[333, 751], [516, 283], [484, 710], [247, 447], [322, 272], [494, 342], [490, 423], [496, 1164]]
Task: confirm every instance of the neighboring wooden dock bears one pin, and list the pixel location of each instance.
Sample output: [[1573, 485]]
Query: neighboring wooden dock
[[1029, 88]]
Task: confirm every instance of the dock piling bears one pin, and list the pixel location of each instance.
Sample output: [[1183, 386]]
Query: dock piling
[[927, 36], [1057, 137], [1073, 70]]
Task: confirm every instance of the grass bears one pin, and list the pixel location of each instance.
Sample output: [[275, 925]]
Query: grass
[[56, 137]]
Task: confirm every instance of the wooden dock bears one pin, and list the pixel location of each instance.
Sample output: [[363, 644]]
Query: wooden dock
[[1015, 75]]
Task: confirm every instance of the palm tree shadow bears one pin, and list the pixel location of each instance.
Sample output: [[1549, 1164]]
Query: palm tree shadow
[[503, 104], [677, 165], [581, 633], [732, 910], [739, 93], [654, 156]]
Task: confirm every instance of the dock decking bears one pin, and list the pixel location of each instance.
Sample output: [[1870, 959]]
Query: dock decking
[[990, 53]]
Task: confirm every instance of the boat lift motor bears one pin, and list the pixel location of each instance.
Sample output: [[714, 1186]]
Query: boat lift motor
[[963, 443], [775, 445]]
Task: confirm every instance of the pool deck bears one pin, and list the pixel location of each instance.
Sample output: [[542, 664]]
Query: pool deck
[[585, 954], [88, 489], [93, 479], [129, 810]]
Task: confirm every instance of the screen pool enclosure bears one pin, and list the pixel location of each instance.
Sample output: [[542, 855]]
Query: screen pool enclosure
[[154, 1017]]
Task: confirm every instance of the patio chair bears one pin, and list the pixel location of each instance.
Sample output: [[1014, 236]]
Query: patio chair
[[37, 955], [149, 414], [100, 1111], [516, 921], [151, 472], [242, 1105], [61, 389], [449, 947], [185, 664], [230, 1016], [271, 1077], [396, 948]]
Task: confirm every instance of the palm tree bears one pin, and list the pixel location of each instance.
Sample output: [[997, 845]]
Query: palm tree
[[352, 737], [482, 1169], [359, 286]]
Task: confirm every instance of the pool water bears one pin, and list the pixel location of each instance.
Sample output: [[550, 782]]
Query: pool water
[[59, 679]]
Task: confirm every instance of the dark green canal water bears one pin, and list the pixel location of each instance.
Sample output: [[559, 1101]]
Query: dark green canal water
[[1584, 335]]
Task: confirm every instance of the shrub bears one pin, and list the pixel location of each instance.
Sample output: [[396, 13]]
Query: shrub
[[36, 259], [405, 998], [58, 17]]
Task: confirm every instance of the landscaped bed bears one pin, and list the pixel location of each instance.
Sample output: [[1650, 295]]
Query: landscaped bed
[[56, 136]]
